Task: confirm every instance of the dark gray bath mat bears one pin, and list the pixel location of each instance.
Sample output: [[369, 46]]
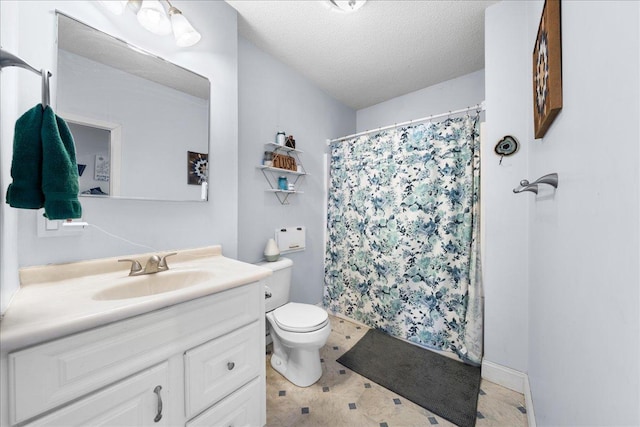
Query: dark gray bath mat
[[444, 386]]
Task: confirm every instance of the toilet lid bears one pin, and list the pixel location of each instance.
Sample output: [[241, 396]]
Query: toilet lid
[[296, 317]]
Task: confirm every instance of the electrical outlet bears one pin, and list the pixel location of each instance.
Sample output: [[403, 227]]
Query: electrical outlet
[[55, 228]]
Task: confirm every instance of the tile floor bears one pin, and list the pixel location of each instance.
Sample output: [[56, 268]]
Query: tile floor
[[344, 398]]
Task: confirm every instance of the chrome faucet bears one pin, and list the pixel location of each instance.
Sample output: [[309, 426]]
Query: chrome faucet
[[154, 264]]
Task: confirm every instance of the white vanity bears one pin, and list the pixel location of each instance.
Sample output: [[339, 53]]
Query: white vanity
[[77, 349]]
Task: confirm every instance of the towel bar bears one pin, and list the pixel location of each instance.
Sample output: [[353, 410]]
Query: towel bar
[[8, 59], [549, 179]]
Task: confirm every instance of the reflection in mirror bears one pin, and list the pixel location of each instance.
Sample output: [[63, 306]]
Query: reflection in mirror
[[137, 120], [93, 155]]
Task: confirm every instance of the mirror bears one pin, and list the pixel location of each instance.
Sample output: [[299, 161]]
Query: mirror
[[140, 123]]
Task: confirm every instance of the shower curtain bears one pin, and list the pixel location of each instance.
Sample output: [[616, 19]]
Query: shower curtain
[[402, 250]]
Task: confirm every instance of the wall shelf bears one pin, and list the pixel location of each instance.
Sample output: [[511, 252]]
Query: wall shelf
[[275, 190], [280, 170], [277, 147], [271, 173]]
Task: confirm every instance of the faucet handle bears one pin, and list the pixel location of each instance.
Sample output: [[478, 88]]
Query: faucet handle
[[163, 262], [135, 265]]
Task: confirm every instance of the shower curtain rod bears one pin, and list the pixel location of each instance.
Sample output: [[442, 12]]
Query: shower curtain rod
[[479, 107]]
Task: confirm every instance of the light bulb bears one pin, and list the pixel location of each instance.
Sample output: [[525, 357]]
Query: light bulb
[[153, 17], [114, 6], [183, 31]]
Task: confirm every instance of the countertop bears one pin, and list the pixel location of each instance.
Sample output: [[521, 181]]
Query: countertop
[[58, 300]]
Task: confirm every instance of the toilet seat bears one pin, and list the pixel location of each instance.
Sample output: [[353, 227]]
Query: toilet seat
[[296, 317]]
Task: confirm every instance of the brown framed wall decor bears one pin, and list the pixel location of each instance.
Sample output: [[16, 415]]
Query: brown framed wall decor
[[547, 69]]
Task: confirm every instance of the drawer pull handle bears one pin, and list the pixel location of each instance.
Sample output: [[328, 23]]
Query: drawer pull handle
[[231, 365], [159, 414]]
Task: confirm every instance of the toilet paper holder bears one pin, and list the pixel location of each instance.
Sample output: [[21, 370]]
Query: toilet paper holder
[[291, 239]]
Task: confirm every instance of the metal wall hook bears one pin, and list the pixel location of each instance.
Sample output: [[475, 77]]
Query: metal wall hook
[[549, 179]]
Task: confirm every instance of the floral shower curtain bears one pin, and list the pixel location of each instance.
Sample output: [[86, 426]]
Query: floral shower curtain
[[402, 251]]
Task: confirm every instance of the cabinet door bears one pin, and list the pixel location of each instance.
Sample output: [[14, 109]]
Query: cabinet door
[[218, 367], [131, 402], [240, 409]]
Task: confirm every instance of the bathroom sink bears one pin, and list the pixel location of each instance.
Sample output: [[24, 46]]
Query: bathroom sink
[[152, 284]]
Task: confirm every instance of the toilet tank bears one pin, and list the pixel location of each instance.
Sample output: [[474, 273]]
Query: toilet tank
[[279, 283]]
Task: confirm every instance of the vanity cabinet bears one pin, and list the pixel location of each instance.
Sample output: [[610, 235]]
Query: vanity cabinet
[[272, 174], [217, 368], [241, 408], [126, 403], [200, 362]]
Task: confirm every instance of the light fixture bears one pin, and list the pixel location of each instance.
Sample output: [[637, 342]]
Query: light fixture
[[152, 16], [348, 5], [183, 31]]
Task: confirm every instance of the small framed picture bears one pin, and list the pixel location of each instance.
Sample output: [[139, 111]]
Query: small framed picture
[[197, 168], [101, 170]]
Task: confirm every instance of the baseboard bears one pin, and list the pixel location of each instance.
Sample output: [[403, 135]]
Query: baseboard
[[513, 380], [528, 403], [501, 375]]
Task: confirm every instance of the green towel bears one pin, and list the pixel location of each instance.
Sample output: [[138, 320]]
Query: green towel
[[43, 168], [26, 168], [59, 169]]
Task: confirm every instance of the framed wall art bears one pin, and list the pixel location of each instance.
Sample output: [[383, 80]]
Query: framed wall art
[[547, 69], [197, 168], [101, 170]]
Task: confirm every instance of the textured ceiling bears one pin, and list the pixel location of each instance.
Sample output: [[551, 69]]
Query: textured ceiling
[[384, 50]]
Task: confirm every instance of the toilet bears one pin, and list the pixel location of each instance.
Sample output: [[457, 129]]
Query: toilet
[[298, 330]]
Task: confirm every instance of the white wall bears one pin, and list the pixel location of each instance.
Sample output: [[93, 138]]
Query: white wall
[[29, 30], [505, 215], [273, 97], [451, 95], [583, 242], [8, 115]]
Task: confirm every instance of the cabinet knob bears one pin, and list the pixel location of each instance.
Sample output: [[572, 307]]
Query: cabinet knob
[[159, 413], [231, 365]]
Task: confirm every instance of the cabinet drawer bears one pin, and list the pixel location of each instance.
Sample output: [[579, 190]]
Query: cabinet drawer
[[241, 408], [131, 402], [217, 368], [49, 375]]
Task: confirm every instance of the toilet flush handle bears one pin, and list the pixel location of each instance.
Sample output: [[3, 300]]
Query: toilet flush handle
[[267, 293]]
